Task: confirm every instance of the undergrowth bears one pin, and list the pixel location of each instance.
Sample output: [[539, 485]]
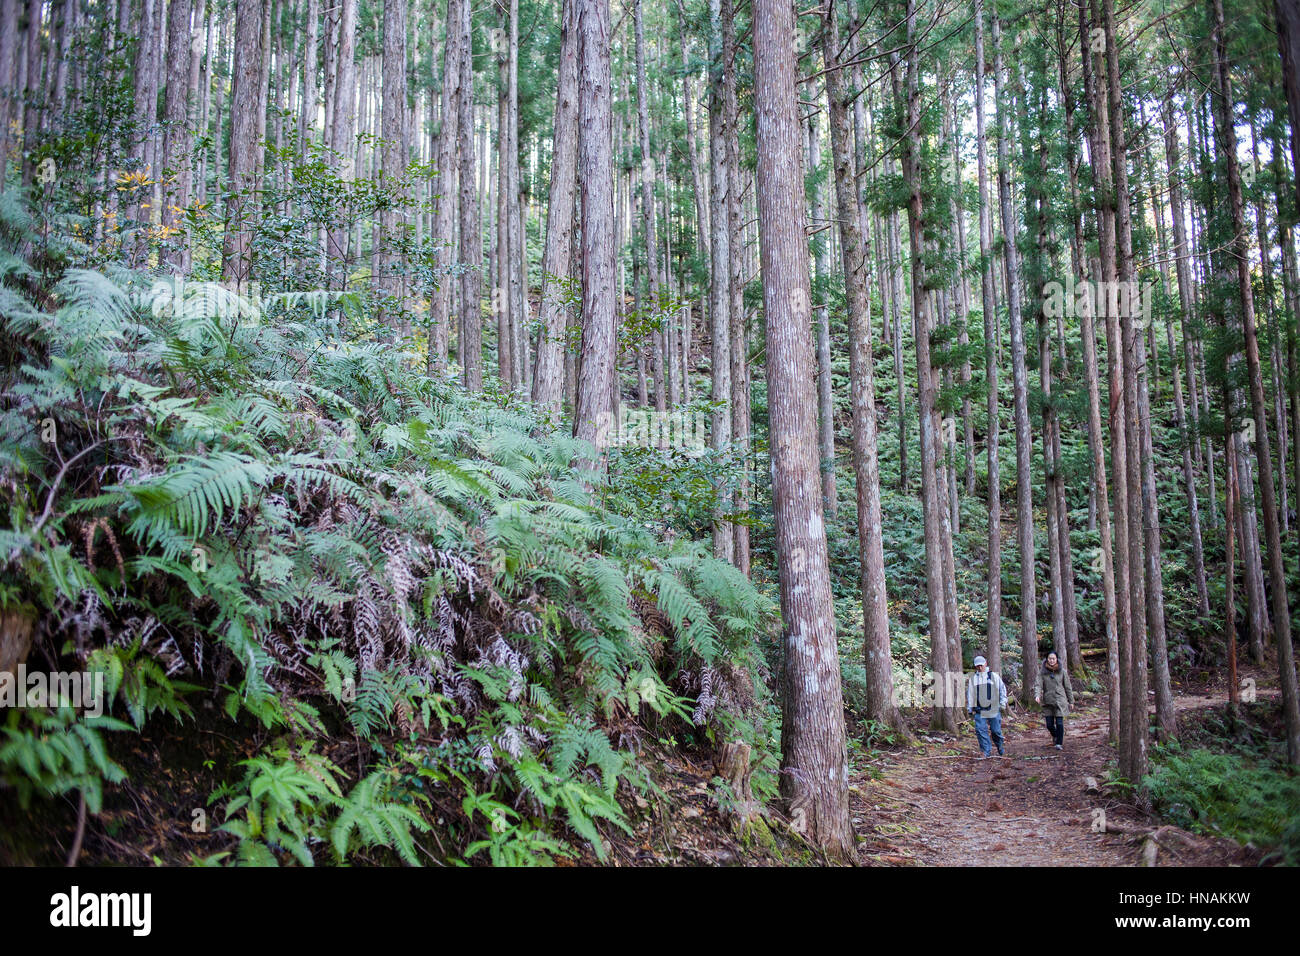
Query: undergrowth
[[1228, 778], [251, 501]]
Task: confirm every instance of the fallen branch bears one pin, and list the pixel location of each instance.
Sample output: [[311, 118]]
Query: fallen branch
[[75, 852], [49, 499]]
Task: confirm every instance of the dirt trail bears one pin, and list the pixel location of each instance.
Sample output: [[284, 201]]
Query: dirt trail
[[939, 804]]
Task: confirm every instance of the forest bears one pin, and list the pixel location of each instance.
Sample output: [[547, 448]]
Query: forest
[[649, 433]]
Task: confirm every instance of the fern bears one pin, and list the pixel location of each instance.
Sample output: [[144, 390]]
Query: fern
[[282, 795], [141, 683], [50, 753], [328, 535], [373, 705], [370, 818], [194, 494]]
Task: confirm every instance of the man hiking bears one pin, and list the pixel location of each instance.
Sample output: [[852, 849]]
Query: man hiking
[[986, 696]]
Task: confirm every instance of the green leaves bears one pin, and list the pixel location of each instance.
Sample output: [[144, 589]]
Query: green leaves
[[370, 818], [50, 753], [283, 795], [1228, 794], [194, 494], [140, 682], [351, 545]]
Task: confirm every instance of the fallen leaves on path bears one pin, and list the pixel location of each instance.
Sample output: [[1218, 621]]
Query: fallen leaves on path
[[1037, 806]]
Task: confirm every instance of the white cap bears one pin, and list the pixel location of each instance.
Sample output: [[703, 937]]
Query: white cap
[[979, 660]]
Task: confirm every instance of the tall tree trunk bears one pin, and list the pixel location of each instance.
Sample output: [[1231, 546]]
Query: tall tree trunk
[[8, 76], [739, 365], [1070, 604], [825, 401], [1291, 311], [1229, 586], [518, 261], [341, 134], [1182, 272], [264, 83], [32, 104], [246, 100], [498, 206], [393, 165], [689, 112], [866, 467], [647, 201], [896, 296], [1270, 317], [814, 758], [1125, 343], [200, 48], [1034, 150], [933, 488], [548, 382], [440, 298], [596, 380], [308, 107], [145, 110], [993, 634], [1020, 393], [1277, 573], [176, 142], [471, 226], [1288, 43], [720, 284], [1119, 648]]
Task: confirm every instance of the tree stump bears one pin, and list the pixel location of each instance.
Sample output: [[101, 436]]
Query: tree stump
[[743, 813], [15, 640]]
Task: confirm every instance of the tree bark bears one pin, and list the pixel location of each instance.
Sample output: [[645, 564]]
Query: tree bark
[[825, 406], [1020, 393], [498, 205], [1123, 344], [648, 203], [471, 234], [308, 107], [443, 222], [720, 284], [596, 380], [518, 261], [393, 165], [342, 112], [993, 588], [1182, 272], [1277, 573], [176, 137], [8, 75], [739, 364], [933, 486], [246, 100], [866, 467], [814, 757], [548, 382], [1288, 43]]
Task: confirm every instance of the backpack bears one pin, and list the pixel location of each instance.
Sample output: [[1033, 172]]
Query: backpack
[[987, 694]]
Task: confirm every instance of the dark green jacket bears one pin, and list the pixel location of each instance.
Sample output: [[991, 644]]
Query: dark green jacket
[[1057, 697]]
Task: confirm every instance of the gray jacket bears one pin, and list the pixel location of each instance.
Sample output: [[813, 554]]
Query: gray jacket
[[986, 694]]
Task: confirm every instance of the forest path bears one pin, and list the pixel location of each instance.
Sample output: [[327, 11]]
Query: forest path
[[937, 803]]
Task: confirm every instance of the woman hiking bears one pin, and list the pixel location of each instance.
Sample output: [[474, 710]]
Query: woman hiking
[[1056, 697]]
